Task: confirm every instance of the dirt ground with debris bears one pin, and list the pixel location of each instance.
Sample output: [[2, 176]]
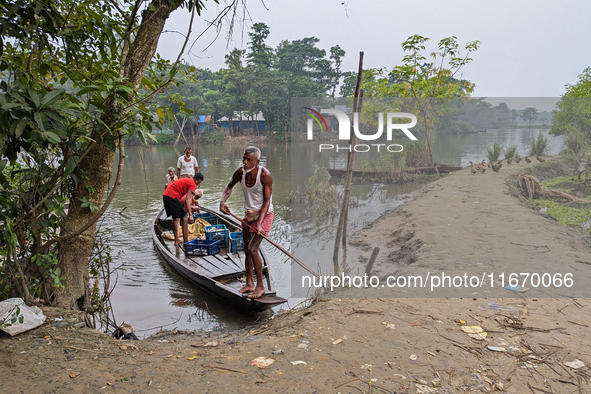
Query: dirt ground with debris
[[534, 341]]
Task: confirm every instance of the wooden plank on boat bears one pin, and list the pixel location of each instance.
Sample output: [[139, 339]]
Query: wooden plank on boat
[[203, 269], [222, 269], [236, 260], [270, 299], [225, 262]]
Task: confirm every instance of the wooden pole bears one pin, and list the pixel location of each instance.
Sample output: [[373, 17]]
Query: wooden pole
[[345, 206], [350, 164], [372, 259]]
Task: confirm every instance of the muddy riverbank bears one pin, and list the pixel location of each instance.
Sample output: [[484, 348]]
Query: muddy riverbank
[[396, 342]]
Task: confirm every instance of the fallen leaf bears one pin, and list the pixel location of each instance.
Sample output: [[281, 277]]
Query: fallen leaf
[[337, 341], [123, 347], [192, 358], [299, 362], [74, 374], [149, 383]]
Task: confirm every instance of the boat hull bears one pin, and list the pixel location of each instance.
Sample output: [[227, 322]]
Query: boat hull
[[220, 274]]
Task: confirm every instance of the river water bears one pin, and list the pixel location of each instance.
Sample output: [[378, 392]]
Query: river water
[[150, 295]]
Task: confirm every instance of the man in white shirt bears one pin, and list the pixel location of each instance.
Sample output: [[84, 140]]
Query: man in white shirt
[[186, 165]]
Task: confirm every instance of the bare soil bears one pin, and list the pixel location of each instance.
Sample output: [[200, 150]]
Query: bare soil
[[462, 223]]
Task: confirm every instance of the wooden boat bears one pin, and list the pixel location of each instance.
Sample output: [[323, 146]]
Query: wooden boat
[[372, 173], [219, 274]]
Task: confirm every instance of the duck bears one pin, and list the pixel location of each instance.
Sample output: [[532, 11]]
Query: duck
[[497, 167], [482, 168], [472, 169], [509, 160], [518, 160], [527, 160], [540, 159]]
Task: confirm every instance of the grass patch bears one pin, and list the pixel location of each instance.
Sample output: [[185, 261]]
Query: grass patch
[[567, 216], [321, 196]]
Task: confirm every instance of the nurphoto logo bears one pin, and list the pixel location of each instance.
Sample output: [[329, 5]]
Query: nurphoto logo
[[345, 129]]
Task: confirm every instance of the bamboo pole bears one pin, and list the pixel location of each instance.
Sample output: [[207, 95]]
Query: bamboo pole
[[344, 209], [350, 164], [272, 243]]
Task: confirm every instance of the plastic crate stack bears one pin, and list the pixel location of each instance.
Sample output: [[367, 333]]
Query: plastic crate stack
[[236, 242], [218, 232]]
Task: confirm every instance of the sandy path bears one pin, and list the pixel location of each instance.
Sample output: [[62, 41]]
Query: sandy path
[[479, 225], [462, 223]]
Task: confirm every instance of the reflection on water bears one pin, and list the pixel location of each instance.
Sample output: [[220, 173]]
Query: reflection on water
[[150, 294]]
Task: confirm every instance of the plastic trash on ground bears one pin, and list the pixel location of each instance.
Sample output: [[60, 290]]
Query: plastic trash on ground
[[262, 362], [16, 309], [575, 364]]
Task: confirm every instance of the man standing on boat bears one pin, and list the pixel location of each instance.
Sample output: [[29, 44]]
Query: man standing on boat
[[186, 165], [181, 210], [257, 185]]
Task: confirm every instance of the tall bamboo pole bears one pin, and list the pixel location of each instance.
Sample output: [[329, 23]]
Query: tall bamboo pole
[[344, 209]]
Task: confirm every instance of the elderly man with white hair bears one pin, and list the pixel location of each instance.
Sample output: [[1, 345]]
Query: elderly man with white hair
[[257, 186]]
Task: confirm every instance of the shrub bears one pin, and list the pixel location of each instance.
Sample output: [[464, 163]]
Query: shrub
[[538, 146], [494, 153], [511, 152]]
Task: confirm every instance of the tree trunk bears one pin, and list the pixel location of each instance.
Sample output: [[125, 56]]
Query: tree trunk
[[94, 171]]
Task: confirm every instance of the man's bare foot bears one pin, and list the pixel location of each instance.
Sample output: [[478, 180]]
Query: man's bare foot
[[246, 289], [258, 292], [177, 242]]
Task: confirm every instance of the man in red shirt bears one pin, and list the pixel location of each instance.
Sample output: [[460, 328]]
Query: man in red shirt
[[181, 210]]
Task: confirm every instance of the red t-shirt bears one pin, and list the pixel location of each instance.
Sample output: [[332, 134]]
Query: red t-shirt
[[177, 189]]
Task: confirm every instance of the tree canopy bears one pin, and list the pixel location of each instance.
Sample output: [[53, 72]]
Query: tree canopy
[[76, 78]]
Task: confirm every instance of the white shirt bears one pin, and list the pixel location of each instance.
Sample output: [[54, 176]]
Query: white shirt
[[255, 196], [187, 167]]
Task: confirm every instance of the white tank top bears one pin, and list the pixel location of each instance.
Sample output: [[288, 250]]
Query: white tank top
[[254, 196]]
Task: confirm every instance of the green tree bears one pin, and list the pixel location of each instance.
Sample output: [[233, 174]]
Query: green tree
[[429, 85], [77, 77], [573, 111], [529, 115], [336, 55], [260, 55]]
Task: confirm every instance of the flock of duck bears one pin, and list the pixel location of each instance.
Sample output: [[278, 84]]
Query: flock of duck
[[481, 167]]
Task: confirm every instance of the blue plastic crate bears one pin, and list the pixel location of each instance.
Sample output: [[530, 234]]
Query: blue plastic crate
[[236, 242], [202, 247], [208, 217], [218, 232]]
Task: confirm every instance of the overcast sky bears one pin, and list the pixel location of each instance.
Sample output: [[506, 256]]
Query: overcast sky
[[528, 48]]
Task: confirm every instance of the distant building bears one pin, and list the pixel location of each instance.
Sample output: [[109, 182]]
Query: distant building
[[242, 122], [203, 123]]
